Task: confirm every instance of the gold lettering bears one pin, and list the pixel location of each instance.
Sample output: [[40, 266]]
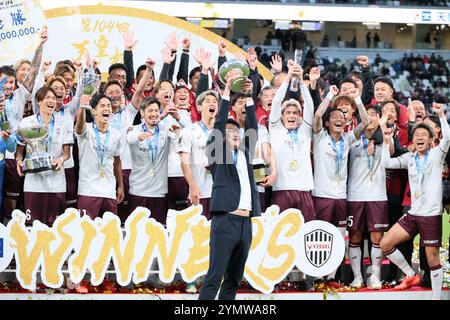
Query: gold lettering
[[113, 239], [275, 251], [199, 251]]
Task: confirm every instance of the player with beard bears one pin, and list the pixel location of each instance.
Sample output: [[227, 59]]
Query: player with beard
[[121, 119], [99, 153], [44, 192], [425, 176], [149, 145], [367, 201], [192, 151], [331, 149]]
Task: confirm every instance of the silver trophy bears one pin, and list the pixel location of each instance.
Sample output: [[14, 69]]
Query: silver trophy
[[37, 158], [90, 82], [4, 123], [231, 68]]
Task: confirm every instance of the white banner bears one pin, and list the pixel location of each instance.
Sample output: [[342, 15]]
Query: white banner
[[88, 247]]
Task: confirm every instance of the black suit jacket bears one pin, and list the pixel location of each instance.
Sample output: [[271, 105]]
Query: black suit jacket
[[226, 190]]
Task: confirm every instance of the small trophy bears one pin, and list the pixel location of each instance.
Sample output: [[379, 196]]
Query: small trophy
[[260, 171], [37, 159], [231, 68], [4, 123], [90, 83]]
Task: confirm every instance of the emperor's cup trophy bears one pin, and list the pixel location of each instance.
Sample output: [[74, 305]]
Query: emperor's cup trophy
[[231, 68], [90, 83], [38, 158]]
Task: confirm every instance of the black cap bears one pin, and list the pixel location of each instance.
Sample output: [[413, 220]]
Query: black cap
[[233, 122]]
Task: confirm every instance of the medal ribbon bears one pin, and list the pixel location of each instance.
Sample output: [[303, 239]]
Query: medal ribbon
[[152, 143], [339, 153], [370, 159], [101, 153], [293, 135], [52, 129], [420, 167], [204, 128]]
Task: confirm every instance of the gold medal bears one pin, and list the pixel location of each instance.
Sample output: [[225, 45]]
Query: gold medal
[[417, 194], [371, 176], [151, 173], [2, 156], [102, 173], [293, 165]]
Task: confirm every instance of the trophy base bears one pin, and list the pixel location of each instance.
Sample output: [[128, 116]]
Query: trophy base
[[260, 172], [38, 164]]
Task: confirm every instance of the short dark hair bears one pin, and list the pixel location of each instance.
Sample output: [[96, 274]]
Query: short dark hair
[[8, 71], [349, 80], [194, 71], [376, 108], [96, 99], [142, 68], [42, 92], [236, 97], [386, 80], [326, 116], [233, 122], [423, 126], [434, 118], [356, 74], [148, 101], [111, 83], [117, 66]]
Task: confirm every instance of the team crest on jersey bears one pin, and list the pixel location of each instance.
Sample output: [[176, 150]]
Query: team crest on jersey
[[318, 246]]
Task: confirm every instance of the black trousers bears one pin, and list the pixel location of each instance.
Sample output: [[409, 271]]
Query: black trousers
[[229, 245]]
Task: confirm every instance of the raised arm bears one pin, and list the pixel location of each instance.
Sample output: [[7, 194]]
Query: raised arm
[[275, 109], [314, 91], [129, 43], [308, 103], [317, 122], [168, 58], [183, 70], [36, 63], [445, 129], [137, 96], [364, 118], [80, 126], [203, 57], [367, 91], [222, 51]]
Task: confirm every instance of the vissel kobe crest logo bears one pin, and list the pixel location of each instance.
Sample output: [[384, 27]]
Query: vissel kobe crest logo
[[318, 246]]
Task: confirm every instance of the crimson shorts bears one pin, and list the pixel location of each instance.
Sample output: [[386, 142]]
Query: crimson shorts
[[123, 208], [95, 207], [44, 207], [375, 213], [333, 211], [12, 183], [71, 188], [429, 228], [295, 199], [262, 201], [178, 191], [206, 207], [157, 206]]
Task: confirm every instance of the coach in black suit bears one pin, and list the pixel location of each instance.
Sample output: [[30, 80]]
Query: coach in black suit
[[234, 198]]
